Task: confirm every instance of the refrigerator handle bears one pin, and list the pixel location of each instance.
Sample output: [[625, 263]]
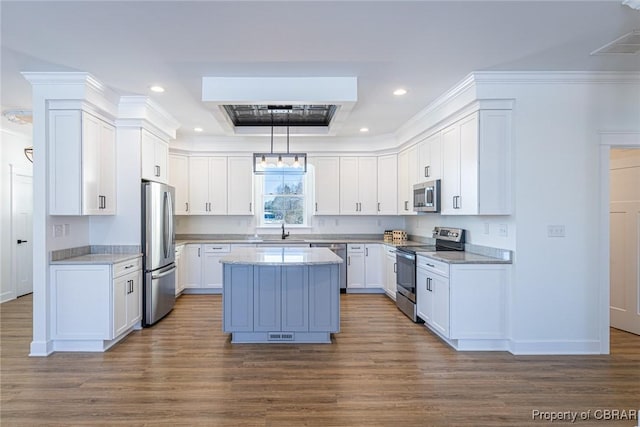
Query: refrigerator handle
[[165, 237], [170, 221]]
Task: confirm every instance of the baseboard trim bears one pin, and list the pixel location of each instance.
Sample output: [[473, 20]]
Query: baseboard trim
[[555, 347], [41, 348]]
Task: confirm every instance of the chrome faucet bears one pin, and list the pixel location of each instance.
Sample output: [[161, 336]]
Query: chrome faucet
[[284, 236]]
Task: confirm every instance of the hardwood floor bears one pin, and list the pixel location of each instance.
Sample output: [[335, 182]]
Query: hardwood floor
[[382, 370]]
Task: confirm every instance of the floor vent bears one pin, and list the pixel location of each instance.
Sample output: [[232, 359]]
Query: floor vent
[[281, 336]]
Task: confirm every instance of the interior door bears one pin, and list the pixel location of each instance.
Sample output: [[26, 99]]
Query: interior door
[[22, 226], [625, 240]]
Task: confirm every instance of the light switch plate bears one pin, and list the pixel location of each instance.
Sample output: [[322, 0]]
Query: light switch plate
[[503, 230]]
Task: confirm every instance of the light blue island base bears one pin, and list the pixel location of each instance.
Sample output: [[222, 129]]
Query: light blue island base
[[281, 295]]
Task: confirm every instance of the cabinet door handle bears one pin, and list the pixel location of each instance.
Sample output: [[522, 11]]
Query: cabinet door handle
[[426, 171], [129, 266], [431, 265], [406, 204], [316, 206], [186, 206], [348, 260], [198, 252], [250, 207], [395, 267], [157, 170], [366, 251], [378, 206]]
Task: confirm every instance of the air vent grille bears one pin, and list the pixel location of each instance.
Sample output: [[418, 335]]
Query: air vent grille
[[628, 44], [294, 115], [281, 336]]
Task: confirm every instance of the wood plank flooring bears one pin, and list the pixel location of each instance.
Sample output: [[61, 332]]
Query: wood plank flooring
[[382, 370]]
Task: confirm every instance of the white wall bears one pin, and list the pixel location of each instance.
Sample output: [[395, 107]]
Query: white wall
[[555, 294], [12, 144], [480, 230]]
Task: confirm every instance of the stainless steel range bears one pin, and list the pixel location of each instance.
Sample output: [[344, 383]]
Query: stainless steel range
[[447, 239]]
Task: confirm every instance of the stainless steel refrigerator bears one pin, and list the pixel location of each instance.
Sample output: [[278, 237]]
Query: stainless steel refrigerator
[[158, 246]]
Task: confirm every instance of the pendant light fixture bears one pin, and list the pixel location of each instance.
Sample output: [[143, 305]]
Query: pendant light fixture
[[279, 163]]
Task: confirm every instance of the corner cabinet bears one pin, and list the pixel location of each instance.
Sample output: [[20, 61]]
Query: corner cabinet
[[93, 306], [82, 164], [407, 177], [327, 185], [476, 158], [154, 158], [179, 179]]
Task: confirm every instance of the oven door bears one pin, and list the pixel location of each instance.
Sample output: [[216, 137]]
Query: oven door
[[406, 274]]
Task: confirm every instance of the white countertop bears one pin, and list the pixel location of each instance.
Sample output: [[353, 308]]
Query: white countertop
[[281, 256], [98, 259]]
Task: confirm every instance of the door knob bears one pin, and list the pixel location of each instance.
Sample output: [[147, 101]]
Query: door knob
[[21, 241]]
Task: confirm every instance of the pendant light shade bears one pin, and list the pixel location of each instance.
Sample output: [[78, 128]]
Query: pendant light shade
[[279, 163]]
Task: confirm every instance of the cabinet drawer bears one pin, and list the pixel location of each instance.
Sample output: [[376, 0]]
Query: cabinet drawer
[[432, 265], [355, 247], [126, 267], [216, 248]]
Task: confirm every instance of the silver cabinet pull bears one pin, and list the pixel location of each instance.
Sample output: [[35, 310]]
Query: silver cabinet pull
[[157, 170], [250, 207], [395, 267], [406, 204], [316, 206], [431, 265], [348, 260], [198, 252], [186, 206], [129, 266], [366, 251], [378, 206]]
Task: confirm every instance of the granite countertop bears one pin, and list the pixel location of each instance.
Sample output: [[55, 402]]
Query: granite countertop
[[463, 257], [281, 256], [97, 259]]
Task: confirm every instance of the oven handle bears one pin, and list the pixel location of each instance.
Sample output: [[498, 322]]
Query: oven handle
[[406, 256]]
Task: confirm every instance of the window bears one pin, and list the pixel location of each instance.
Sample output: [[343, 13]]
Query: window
[[283, 199]]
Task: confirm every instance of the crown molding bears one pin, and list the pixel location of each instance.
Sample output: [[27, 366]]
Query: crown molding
[[80, 86], [142, 111], [473, 88]]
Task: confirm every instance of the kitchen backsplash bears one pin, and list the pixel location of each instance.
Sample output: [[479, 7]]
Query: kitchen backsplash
[[246, 225]]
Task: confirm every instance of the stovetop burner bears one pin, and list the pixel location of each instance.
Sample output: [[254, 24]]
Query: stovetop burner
[[447, 239]]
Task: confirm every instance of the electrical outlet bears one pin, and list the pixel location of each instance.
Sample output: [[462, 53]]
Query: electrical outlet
[[58, 230], [555, 230], [503, 230], [66, 229]]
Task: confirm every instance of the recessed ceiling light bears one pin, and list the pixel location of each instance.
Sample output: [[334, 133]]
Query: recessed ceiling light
[[157, 89], [399, 92], [364, 129], [197, 129]]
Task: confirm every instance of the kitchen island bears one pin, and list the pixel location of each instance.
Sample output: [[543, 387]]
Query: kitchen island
[[275, 295]]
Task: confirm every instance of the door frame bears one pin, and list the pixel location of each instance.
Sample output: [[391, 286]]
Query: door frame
[[15, 171], [608, 140]]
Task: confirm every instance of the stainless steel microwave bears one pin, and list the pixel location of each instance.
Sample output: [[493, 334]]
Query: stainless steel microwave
[[426, 196]]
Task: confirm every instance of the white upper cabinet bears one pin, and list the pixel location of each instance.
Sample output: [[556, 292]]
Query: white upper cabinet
[[359, 185], [388, 185], [476, 153], [154, 158], [208, 185], [327, 185], [82, 164], [407, 177], [240, 186], [430, 158], [179, 179]]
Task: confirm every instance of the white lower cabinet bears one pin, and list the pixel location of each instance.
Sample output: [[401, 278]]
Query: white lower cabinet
[[390, 271], [364, 267], [464, 303], [432, 297], [203, 270], [94, 305]]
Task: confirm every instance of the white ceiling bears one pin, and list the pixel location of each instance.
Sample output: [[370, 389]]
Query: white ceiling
[[423, 46]]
